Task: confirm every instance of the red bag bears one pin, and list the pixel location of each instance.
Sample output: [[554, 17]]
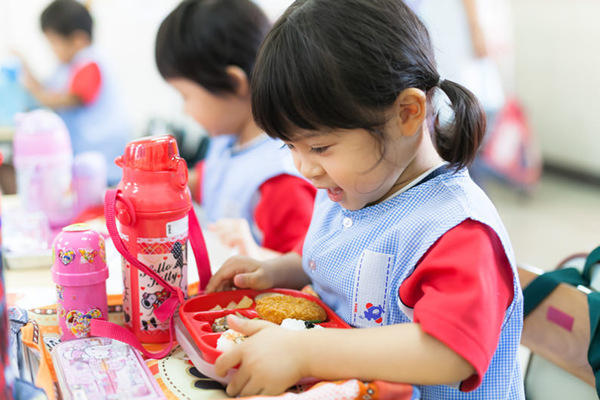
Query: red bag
[[511, 150]]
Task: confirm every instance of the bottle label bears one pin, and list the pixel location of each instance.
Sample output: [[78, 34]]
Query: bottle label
[[177, 228], [168, 258]]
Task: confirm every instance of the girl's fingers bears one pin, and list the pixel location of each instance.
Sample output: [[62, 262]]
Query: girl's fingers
[[225, 274], [253, 280], [253, 387], [228, 360], [219, 281], [247, 327], [238, 382], [216, 281]]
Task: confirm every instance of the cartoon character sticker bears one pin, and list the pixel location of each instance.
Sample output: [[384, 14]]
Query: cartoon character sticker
[[66, 256], [60, 290], [126, 295], [153, 300], [169, 260], [100, 368], [146, 324], [87, 255], [79, 322], [374, 313], [102, 250], [177, 252], [93, 349]]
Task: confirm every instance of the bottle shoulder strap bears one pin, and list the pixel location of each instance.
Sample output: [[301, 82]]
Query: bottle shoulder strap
[[167, 309]]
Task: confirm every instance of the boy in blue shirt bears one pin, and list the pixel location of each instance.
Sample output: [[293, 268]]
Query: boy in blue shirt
[[81, 90]]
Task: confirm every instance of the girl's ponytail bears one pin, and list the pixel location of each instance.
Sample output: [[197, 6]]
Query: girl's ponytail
[[458, 141]]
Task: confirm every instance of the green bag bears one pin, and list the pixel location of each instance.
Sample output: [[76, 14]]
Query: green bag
[[543, 285]]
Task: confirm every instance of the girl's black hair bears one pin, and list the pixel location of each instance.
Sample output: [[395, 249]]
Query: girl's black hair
[[200, 38], [66, 17], [343, 63]]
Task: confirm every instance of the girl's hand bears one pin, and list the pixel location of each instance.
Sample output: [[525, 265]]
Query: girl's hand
[[30, 83], [241, 272], [270, 359], [235, 233], [479, 43], [478, 39]]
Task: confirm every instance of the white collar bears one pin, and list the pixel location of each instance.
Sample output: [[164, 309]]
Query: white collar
[[415, 181], [239, 147]]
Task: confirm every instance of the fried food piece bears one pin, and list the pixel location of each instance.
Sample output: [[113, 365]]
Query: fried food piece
[[278, 308], [245, 302], [220, 325]]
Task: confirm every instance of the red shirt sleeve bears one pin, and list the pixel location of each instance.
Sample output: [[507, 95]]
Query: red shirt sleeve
[[298, 248], [284, 211], [86, 81], [460, 291]]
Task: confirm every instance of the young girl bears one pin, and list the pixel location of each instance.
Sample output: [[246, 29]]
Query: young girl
[[206, 50], [402, 242]]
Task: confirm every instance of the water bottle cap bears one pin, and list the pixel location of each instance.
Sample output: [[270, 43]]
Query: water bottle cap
[[154, 180], [81, 227], [153, 153], [40, 136], [79, 256]]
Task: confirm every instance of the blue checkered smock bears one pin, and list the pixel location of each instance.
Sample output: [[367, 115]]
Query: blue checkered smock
[[232, 177], [358, 259]]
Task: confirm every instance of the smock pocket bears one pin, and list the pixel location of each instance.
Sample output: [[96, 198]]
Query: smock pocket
[[371, 289]]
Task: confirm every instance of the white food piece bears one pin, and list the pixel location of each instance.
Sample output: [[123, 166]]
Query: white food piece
[[228, 339], [296, 325]]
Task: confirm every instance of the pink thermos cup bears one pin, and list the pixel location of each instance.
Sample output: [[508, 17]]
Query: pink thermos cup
[[80, 272]]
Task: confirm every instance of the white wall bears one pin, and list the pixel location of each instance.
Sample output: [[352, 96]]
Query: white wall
[[558, 77], [124, 32], [556, 51], [273, 8]]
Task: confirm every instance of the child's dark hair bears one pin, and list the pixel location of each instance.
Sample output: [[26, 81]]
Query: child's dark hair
[[65, 17], [201, 38], [343, 63]]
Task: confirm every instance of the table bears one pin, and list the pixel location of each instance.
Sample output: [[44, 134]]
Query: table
[[34, 290], [36, 281]]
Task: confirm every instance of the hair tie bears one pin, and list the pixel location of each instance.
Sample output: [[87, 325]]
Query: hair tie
[[439, 82]]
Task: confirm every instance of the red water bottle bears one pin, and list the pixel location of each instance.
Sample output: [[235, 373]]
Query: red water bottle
[[152, 210]]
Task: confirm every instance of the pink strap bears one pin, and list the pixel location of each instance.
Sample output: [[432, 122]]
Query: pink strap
[[166, 310], [110, 200], [200, 251], [100, 327]]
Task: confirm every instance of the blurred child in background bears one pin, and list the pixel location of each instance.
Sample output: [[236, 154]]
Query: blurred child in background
[[247, 185], [81, 90]]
